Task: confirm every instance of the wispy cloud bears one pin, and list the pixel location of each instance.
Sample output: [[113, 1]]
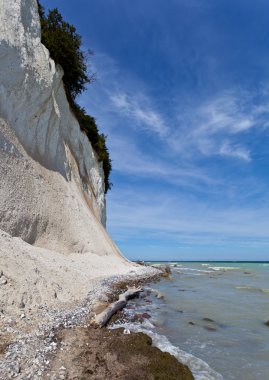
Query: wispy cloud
[[156, 215], [212, 128], [216, 126], [143, 115], [193, 227], [227, 113], [226, 149], [130, 159]]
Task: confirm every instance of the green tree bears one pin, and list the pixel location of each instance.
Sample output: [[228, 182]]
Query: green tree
[[64, 45]]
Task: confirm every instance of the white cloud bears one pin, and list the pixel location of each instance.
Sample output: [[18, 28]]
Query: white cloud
[[212, 127], [226, 149], [156, 214], [136, 108], [129, 159], [218, 126], [227, 113], [208, 129], [149, 214]]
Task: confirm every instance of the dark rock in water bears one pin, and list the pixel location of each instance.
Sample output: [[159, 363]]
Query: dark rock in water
[[267, 323], [140, 317], [210, 328], [208, 320], [146, 315], [165, 269], [191, 323]]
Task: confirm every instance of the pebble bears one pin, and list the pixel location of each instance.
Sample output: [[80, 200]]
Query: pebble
[[35, 345], [15, 367], [22, 305], [3, 281]]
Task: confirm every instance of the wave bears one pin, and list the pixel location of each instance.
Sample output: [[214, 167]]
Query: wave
[[252, 289], [223, 268], [199, 368], [196, 270]]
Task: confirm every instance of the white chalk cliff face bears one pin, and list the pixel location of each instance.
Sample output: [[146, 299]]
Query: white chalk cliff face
[[51, 183], [54, 248]]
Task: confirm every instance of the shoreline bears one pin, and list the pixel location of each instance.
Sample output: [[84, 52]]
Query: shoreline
[[105, 353], [30, 343], [111, 354]]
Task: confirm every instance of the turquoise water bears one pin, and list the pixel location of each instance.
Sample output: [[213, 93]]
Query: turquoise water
[[216, 312]]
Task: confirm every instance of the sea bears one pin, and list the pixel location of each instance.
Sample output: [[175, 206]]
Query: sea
[[210, 315]]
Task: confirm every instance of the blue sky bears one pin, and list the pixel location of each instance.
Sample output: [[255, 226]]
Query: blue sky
[[182, 92]]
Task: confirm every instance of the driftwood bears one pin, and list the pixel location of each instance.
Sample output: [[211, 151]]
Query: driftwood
[[102, 318]]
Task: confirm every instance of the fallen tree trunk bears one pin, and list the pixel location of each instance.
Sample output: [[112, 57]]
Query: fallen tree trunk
[[102, 318]]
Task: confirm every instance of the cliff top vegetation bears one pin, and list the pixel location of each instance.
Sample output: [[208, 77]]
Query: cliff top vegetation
[[64, 45]]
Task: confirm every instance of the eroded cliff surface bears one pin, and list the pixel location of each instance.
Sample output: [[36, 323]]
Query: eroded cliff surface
[[52, 188]]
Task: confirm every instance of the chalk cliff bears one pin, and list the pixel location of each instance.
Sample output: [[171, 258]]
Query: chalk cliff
[[54, 182], [52, 202]]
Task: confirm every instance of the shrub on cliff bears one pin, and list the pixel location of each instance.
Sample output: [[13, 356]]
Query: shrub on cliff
[[98, 140], [64, 45]]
